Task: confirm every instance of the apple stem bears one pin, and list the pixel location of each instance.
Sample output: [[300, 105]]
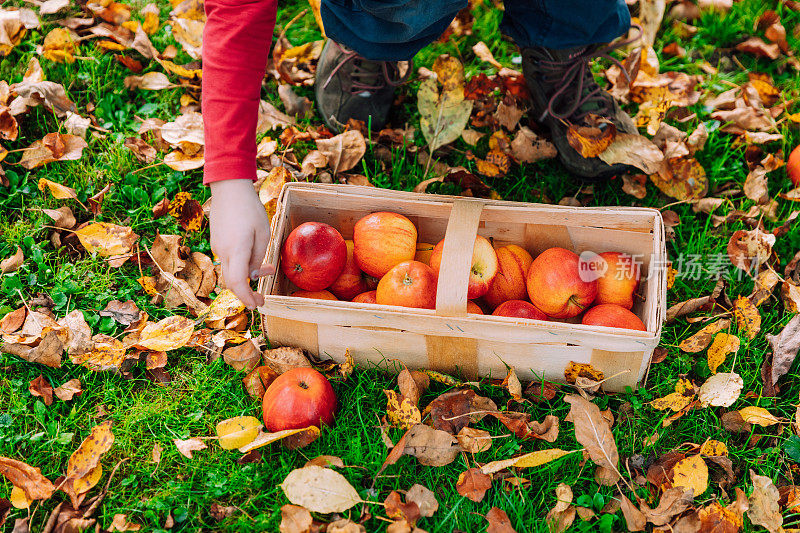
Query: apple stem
[[303, 385]]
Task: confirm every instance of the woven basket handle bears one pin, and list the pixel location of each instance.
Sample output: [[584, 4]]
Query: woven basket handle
[[459, 240]]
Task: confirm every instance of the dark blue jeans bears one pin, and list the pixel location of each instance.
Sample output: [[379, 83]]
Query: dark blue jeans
[[395, 30]]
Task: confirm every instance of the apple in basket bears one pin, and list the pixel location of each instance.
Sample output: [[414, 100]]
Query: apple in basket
[[483, 270], [382, 240], [352, 282], [409, 284], [313, 256], [519, 309], [619, 279], [316, 295], [613, 316], [509, 283], [299, 398], [369, 297], [558, 285]]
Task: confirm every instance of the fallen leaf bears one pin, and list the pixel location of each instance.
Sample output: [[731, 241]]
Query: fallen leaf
[[431, 447], [700, 340], [758, 415], [258, 380], [320, 490], [474, 440], [682, 178], [295, 438], [69, 390], [473, 484], [41, 388], [326, 460], [634, 518], [152, 81], [723, 345], [244, 356], [295, 519], [59, 191], [498, 521], [673, 502], [443, 115], [747, 316], [143, 152], [125, 313], [593, 432], [757, 47], [237, 432], [121, 523], [53, 147], [186, 447], [691, 473], [785, 346], [529, 460], [106, 239], [764, 509], [12, 263], [749, 250], [424, 498], [167, 334], [285, 358], [562, 515], [634, 150], [343, 151], [401, 412], [83, 469], [527, 147], [28, 478], [396, 509], [721, 389]]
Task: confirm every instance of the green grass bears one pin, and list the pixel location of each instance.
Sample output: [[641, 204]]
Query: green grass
[[202, 393]]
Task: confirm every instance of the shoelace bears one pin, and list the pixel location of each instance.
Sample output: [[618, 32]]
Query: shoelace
[[368, 80], [576, 72]]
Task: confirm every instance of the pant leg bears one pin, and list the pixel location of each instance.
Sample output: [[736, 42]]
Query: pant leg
[[562, 24], [387, 30]]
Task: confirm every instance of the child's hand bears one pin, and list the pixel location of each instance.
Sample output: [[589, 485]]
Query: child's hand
[[239, 236]]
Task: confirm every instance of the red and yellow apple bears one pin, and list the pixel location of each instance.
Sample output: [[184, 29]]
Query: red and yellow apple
[[617, 284], [612, 316], [555, 285], [519, 309], [509, 283], [351, 282], [382, 240], [313, 256], [424, 251], [483, 270], [299, 398], [317, 295], [409, 284], [368, 297], [473, 308]]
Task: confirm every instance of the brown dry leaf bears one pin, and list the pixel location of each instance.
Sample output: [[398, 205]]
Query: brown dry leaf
[[62, 217], [634, 518], [747, 316], [152, 81], [764, 509], [41, 387], [186, 447], [451, 411], [295, 438], [166, 253], [320, 490], [285, 358], [718, 519], [106, 239], [591, 141], [401, 412], [562, 515], [121, 523], [295, 519], [224, 306], [9, 129], [432, 447], [69, 390], [51, 95], [183, 162], [757, 47], [53, 147], [593, 432], [187, 211], [343, 151], [673, 502], [12, 263], [473, 484], [107, 353], [513, 384], [28, 478], [634, 150], [412, 384], [48, 352], [403, 513], [326, 460], [474, 440], [527, 147], [723, 345], [167, 334], [258, 380], [295, 105], [498, 521], [125, 313], [682, 178], [424, 498], [721, 389], [750, 249], [785, 346], [700, 340], [143, 152], [575, 370], [60, 192], [244, 356], [83, 470]]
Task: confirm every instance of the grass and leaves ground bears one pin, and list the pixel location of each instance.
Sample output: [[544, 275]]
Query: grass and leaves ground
[[201, 394]]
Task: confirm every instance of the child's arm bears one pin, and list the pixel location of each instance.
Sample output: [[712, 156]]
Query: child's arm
[[236, 43]]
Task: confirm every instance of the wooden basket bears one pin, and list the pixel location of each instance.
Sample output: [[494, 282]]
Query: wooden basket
[[447, 339]]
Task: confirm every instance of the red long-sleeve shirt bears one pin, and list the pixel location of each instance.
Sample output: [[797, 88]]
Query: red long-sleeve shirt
[[236, 43]]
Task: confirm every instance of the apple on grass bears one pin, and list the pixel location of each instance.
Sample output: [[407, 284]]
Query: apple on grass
[[555, 285], [612, 316], [313, 256], [509, 283], [317, 295], [382, 240], [483, 270], [793, 166], [299, 398], [619, 279], [368, 297], [351, 282], [519, 309], [409, 284]]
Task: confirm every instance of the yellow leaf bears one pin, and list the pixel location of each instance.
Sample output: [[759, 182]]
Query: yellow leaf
[[401, 411], [238, 431], [575, 370], [683, 396], [691, 473], [87, 456], [758, 415], [107, 353], [714, 448], [268, 438], [106, 239], [60, 192], [225, 305], [87, 482], [529, 460], [747, 316], [170, 333], [700, 340], [59, 46], [723, 345], [19, 499]]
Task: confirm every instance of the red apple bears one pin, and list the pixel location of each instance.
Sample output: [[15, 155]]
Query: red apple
[[410, 284], [619, 279], [366, 297], [382, 240], [509, 283], [313, 256], [299, 398], [793, 166], [519, 309], [424, 251], [351, 282], [318, 295], [613, 316], [473, 308], [484, 266], [555, 285]]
